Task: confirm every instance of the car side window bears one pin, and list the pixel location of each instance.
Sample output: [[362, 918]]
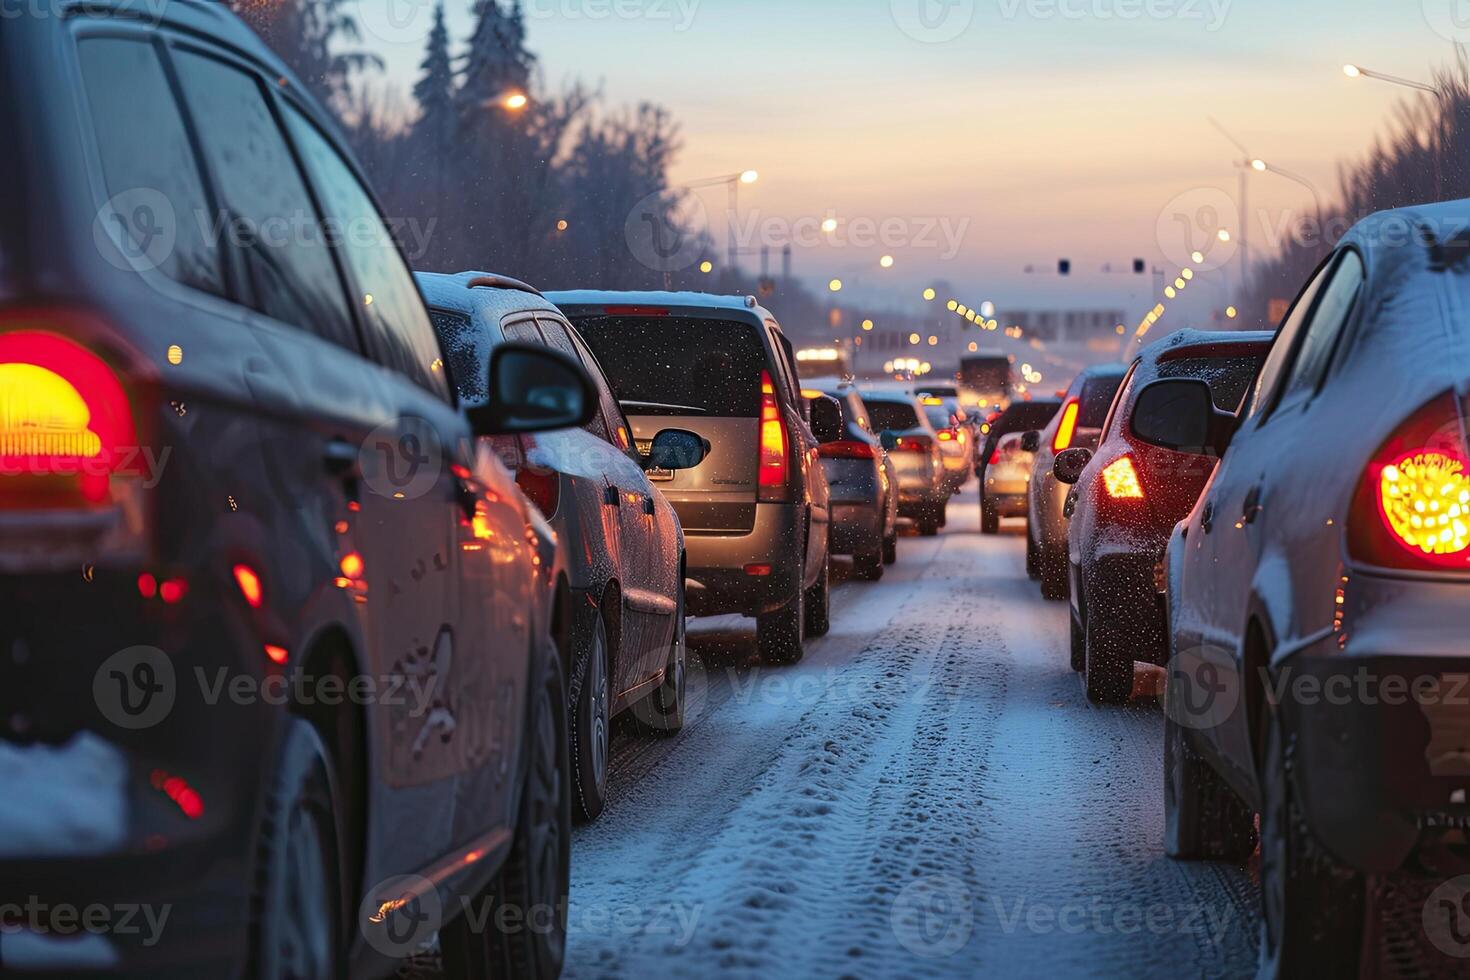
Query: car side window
[[471, 378], [266, 209], [609, 423], [1125, 393], [1276, 362], [148, 165], [523, 332], [1320, 336], [400, 334]]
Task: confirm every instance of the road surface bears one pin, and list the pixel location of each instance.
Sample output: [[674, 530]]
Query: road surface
[[926, 793]]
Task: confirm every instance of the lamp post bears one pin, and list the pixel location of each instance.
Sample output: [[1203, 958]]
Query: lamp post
[[1358, 71], [733, 182], [1262, 167]]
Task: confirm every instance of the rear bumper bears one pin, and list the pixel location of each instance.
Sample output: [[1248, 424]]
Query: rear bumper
[[718, 563], [1118, 588], [1007, 504], [1379, 714], [856, 528]]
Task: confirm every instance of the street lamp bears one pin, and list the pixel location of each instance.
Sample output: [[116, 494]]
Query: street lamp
[[733, 182], [515, 101], [1358, 71], [1261, 166]]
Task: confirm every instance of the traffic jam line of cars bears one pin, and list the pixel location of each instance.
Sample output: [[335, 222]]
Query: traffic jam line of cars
[[1231, 508], [369, 561]]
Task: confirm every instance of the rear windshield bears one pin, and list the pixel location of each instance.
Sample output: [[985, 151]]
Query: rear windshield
[[1097, 399], [1027, 416], [891, 416], [671, 366], [1228, 377]]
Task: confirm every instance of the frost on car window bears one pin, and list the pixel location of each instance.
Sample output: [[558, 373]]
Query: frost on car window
[[1228, 377], [469, 373], [670, 365]]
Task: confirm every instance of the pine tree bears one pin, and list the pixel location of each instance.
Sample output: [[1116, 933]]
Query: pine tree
[[497, 63], [433, 133]]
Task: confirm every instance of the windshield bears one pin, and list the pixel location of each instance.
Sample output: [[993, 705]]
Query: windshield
[[892, 416]]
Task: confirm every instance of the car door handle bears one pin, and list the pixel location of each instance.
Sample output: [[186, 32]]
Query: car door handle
[[1252, 508], [341, 458], [612, 497], [1207, 517]]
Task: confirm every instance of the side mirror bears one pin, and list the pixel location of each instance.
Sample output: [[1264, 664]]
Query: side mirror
[[676, 449], [533, 389], [826, 419], [1031, 442], [889, 439], [1069, 465], [1180, 415]]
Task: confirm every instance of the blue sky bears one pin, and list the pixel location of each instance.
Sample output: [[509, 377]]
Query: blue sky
[[1044, 128]]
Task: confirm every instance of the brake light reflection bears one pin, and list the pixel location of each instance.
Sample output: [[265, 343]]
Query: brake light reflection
[[1121, 480]]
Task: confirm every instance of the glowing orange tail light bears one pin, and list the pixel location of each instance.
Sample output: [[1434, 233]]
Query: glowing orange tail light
[[1120, 479], [1067, 428], [1412, 509], [249, 583], [773, 443]]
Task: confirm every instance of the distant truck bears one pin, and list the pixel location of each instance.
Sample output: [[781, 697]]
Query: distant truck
[[985, 380]]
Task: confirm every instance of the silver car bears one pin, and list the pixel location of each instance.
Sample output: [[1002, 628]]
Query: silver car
[[862, 477], [1007, 477], [913, 445]]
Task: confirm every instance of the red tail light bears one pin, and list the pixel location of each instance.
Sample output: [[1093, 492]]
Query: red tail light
[[946, 435], [1067, 427], [1120, 480], [66, 424], [1412, 509], [848, 449], [774, 455], [914, 444], [995, 456], [541, 486]]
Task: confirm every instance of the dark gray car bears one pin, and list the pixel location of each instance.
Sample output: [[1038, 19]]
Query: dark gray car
[[863, 481]]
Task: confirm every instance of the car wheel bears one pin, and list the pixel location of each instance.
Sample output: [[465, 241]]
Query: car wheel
[[778, 634], [989, 518], [661, 713], [1204, 819], [868, 566], [1079, 646], [298, 917], [1053, 566], [592, 725], [890, 548], [1312, 907], [1033, 566], [1108, 672], [819, 602], [536, 874]]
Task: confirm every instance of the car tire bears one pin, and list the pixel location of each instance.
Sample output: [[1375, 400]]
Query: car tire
[[868, 566], [536, 874], [1052, 564], [819, 602], [1079, 645], [1204, 819], [989, 518], [931, 519], [1033, 565], [591, 731], [1312, 908], [778, 635], [661, 713], [1108, 672], [297, 915], [890, 548]]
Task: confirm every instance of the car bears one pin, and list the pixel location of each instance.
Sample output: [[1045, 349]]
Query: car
[[757, 513], [1318, 607], [1126, 501], [1007, 476], [862, 479], [1019, 418], [627, 629], [913, 445], [280, 641], [952, 426], [1078, 425]]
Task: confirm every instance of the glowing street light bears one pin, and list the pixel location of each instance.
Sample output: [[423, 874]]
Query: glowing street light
[[929, 295], [1224, 235], [706, 267], [1351, 71], [886, 261], [750, 177], [1198, 257], [515, 101], [830, 225], [835, 285], [1358, 71], [1231, 312]]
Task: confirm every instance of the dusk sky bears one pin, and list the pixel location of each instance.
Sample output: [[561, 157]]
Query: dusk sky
[[1040, 129]]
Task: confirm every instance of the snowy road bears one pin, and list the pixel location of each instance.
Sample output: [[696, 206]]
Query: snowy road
[[926, 793]]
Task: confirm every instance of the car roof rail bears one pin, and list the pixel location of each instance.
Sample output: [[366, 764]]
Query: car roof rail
[[503, 282]]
